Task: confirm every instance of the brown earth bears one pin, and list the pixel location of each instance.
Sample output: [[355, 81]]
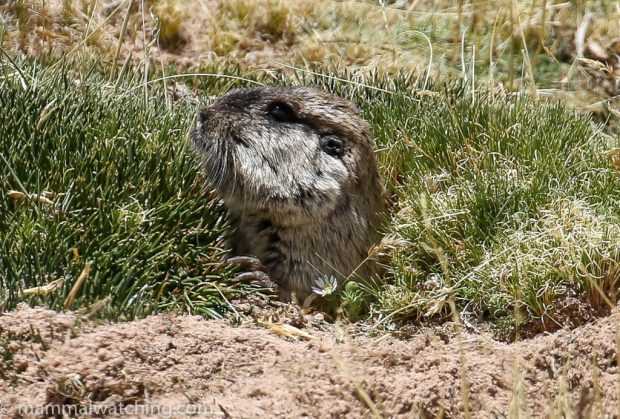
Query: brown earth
[[52, 359]]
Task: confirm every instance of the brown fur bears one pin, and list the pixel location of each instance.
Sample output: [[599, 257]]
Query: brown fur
[[296, 169]]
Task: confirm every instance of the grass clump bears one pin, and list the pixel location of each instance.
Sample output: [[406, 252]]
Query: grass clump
[[500, 203], [94, 172]]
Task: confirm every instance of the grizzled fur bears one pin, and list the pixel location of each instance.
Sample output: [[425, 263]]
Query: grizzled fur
[[296, 170]]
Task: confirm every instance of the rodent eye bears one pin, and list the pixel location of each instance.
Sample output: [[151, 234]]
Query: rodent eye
[[332, 145], [282, 112]]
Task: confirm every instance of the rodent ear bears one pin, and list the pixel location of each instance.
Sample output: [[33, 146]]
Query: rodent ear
[[204, 115], [282, 112]]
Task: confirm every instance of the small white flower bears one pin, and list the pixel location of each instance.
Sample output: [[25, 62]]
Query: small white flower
[[325, 285]]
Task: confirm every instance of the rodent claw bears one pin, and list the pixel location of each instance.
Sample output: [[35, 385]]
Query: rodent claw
[[259, 276], [247, 261]]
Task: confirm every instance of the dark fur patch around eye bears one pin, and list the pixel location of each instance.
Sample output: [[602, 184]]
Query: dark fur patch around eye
[[332, 145], [282, 112]]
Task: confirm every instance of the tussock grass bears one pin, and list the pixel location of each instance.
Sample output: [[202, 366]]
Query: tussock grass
[[100, 175], [498, 203]]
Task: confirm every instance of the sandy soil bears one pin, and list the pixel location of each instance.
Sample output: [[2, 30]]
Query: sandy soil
[[167, 362]]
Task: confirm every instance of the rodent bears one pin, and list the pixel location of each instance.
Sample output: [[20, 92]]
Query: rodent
[[296, 170]]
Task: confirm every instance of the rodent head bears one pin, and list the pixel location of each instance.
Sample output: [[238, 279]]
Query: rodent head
[[292, 153]]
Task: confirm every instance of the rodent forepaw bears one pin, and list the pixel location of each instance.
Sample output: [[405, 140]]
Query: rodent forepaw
[[257, 271]]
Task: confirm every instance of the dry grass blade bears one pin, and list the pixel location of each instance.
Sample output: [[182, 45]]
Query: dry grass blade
[[287, 330], [78, 284], [46, 113], [20, 196], [44, 289], [94, 308]]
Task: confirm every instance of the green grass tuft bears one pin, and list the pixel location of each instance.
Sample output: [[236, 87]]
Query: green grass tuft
[[498, 203], [128, 195]]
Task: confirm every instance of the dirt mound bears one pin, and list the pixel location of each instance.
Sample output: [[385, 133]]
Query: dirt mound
[[182, 365]]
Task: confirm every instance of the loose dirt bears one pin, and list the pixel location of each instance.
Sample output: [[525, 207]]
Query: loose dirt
[[168, 362]]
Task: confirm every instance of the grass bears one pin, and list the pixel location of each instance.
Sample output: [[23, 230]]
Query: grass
[[127, 194], [527, 44], [498, 202]]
